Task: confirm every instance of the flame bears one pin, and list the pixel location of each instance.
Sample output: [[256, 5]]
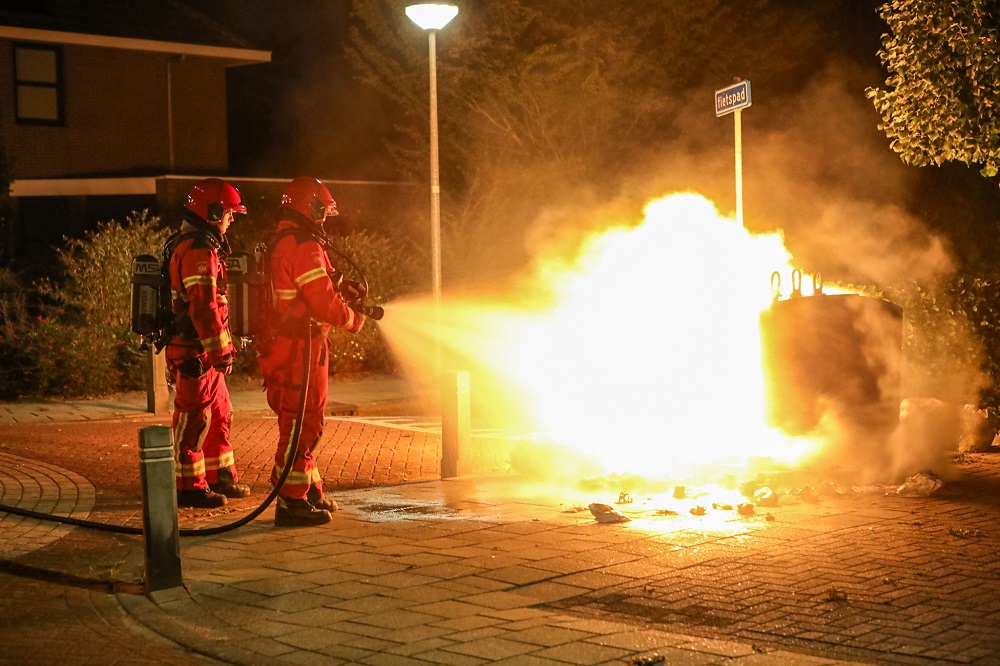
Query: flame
[[641, 356]]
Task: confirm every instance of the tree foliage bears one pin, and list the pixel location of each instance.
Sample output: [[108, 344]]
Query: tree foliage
[[560, 96], [939, 102]]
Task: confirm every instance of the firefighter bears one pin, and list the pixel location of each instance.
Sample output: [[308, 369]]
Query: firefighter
[[200, 349], [306, 302]]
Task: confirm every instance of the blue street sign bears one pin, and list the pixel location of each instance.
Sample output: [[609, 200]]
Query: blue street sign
[[733, 98]]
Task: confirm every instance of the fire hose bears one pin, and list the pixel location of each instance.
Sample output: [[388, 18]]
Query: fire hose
[[204, 531]]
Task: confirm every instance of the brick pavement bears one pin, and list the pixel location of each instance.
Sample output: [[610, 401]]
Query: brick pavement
[[481, 570]]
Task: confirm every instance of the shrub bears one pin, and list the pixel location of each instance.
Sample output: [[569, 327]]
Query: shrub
[[83, 345], [951, 338], [17, 363]]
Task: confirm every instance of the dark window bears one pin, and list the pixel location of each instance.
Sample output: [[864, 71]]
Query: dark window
[[38, 84]]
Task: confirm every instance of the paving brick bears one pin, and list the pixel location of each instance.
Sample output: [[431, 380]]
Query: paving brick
[[915, 593]]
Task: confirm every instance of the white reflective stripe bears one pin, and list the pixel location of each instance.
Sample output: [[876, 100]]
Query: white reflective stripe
[[198, 279], [310, 276]]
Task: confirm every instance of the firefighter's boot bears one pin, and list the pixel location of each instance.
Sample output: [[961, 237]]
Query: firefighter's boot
[[298, 513], [202, 498], [226, 485], [316, 497]]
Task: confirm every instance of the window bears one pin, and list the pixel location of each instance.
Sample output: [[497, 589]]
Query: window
[[38, 84]]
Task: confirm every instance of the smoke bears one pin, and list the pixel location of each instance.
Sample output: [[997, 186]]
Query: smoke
[[817, 170]]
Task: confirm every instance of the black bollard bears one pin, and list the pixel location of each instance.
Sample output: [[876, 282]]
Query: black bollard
[[455, 423], [159, 509]]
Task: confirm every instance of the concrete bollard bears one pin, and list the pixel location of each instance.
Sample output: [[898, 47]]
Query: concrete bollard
[[455, 422], [159, 509]]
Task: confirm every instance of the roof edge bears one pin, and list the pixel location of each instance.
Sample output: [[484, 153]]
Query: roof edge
[[143, 185], [239, 56]]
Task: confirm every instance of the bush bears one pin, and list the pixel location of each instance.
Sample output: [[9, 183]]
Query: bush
[[951, 338], [83, 345], [17, 363]]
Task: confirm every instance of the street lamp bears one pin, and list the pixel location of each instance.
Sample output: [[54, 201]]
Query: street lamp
[[432, 17]]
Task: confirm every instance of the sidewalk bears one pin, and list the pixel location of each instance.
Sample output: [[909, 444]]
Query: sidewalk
[[367, 394], [480, 569]]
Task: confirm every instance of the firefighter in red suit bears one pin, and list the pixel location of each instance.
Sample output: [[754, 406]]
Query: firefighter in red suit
[[200, 349], [306, 302]]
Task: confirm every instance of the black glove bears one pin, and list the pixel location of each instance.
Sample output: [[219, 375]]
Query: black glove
[[226, 366], [352, 291]]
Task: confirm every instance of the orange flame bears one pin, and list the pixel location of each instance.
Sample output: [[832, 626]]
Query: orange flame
[[646, 359]]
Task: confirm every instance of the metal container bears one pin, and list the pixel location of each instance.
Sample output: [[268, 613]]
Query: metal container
[[836, 354]]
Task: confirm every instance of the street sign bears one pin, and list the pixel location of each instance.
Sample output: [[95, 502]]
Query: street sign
[[732, 98]]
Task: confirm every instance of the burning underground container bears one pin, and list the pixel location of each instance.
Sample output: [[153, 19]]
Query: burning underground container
[[832, 361]]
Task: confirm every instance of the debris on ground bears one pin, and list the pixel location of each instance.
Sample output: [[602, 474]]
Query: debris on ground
[[831, 489], [666, 512], [871, 490], [808, 495], [765, 497], [835, 594], [745, 508], [649, 660], [769, 518], [574, 509], [606, 514], [920, 485], [698, 511], [963, 534], [624, 498], [722, 507]]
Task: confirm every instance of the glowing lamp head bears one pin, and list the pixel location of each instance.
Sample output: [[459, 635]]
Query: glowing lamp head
[[432, 15]]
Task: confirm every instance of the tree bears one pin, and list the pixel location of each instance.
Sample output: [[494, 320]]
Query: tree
[[939, 101], [542, 101]]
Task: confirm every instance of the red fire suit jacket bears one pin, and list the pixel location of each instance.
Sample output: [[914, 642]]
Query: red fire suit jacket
[[300, 265], [198, 301]]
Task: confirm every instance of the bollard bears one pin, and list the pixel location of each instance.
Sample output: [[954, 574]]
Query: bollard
[[157, 393], [159, 509], [455, 422]]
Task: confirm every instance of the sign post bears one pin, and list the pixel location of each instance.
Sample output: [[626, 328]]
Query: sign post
[[733, 99]]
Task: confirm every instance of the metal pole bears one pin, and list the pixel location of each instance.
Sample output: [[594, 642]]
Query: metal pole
[[435, 175], [456, 430], [435, 202], [738, 131]]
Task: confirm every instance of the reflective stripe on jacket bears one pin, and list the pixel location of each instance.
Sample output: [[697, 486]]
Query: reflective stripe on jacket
[[299, 265]]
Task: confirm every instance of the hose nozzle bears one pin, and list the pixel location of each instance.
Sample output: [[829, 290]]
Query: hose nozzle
[[371, 311]]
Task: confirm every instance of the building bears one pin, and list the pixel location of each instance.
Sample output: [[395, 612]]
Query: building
[[113, 106]]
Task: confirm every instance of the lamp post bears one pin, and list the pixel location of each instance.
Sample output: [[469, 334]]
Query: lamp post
[[432, 17]]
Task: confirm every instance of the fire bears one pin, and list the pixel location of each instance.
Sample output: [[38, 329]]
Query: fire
[[642, 356]]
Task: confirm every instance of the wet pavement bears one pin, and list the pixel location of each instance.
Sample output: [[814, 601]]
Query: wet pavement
[[483, 568]]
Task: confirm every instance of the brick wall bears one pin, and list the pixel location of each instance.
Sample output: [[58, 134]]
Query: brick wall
[[116, 116]]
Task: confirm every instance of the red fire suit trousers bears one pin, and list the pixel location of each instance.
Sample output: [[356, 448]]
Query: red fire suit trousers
[[283, 367], [201, 420]]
